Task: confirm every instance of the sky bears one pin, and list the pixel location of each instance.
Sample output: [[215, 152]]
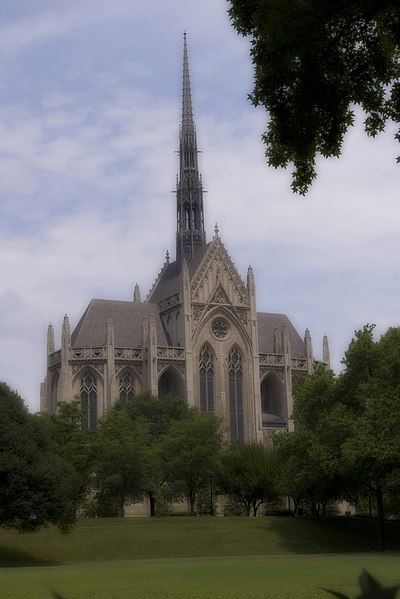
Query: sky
[[90, 95]]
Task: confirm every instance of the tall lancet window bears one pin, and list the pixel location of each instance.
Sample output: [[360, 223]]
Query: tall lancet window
[[126, 386], [206, 372], [89, 400], [235, 377]]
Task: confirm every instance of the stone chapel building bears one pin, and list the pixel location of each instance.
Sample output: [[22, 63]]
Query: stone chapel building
[[197, 334]]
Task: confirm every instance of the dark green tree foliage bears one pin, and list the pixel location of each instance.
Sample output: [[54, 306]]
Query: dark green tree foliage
[[190, 453], [361, 361], [158, 415], [346, 442], [68, 440], [119, 451], [311, 456], [37, 486], [314, 60], [250, 472], [372, 451]]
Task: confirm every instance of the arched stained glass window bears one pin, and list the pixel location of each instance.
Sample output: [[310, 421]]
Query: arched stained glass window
[[126, 386], [206, 373], [88, 397], [235, 378]]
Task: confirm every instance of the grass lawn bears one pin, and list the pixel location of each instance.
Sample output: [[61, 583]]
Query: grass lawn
[[257, 577], [177, 557]]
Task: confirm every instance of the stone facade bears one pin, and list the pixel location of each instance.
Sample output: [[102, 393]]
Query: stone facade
[[197, 334]]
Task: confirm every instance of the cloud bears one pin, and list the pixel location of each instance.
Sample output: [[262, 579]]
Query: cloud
[[88, 129]]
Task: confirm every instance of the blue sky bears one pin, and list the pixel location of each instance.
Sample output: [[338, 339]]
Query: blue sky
[[89, 114]]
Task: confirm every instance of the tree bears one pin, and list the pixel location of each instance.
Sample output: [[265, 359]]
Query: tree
[[68, 440], [314, 61], [296, 473], [372, 451], [190, 454], [250, 473], [37, 486], [310, 457], [159, 415], [118, 460], [361, 361]]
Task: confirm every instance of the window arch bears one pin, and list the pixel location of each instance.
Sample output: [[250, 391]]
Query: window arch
[[171, 383], [88, 397], [206, 376], [273, 400], [235, 380], [126, 386]]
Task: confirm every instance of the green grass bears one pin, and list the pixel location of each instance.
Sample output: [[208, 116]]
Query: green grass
[[256, 577], [196, 558]]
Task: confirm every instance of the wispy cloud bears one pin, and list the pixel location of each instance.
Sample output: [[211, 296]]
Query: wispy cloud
[[87, 166]]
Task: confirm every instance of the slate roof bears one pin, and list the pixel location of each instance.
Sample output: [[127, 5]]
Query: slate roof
[[169, 284], [91, 330], [267, 323], [170, 281]]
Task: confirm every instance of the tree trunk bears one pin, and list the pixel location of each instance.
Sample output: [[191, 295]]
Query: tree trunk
[[192, 500], [152, 505], [380, 520]]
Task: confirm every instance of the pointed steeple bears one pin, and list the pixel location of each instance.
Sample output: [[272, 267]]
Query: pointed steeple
[[190, 232]]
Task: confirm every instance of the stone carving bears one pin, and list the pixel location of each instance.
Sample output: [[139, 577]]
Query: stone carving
[[218, 261], [271, 359], [124, 353], [197, 311], [220, 328], [242, 315], [220, 297], [171, 353], [87, 353], [299, 364]]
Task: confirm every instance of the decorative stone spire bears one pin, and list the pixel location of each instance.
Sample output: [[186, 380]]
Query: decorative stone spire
[[325, 351], [136, 295], [65, 334], [251, 285], [309, 351], [50, 339], [190, 232]]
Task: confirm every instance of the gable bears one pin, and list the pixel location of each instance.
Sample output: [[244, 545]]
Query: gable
[[216, 279]]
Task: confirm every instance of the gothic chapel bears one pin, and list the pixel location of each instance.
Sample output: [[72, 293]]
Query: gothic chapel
[[197, 334]]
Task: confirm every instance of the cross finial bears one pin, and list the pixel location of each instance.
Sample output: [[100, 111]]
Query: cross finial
[[216, 229]]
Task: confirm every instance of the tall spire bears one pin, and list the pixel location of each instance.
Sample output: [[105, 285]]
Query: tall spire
[[190, 232]]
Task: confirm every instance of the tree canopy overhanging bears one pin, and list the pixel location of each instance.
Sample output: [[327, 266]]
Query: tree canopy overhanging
[[314, 61]]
